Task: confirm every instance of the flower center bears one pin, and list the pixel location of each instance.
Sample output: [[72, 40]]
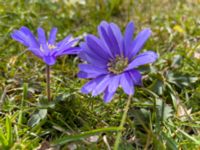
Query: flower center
[[51, 46], [118, 64]]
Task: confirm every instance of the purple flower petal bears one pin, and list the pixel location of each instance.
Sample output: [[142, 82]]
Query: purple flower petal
[[36, 52], [91, 57], [142, 59], [49, 60], [68, 44], [32, 40], [139, 41], [89, 86], [127, 86], [108, 96], [136, 77], [67, 48], [41, 36], [64, 41], [52, 36], [97, 46], [87, 75], [114, 83], [92, 69], [101, 86], [128, 37], [111, 89], [42, 40], [45, 49], [71, 50], [114, 42], [20, 37], [102, 29], [118, 38]]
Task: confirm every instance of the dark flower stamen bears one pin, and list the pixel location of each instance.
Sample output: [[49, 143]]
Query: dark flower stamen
[[118, 64]]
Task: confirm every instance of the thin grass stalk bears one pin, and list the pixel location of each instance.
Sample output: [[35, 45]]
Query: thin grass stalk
[[119, 134]]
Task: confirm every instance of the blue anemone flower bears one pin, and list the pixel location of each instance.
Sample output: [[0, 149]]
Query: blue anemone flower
[[47, 50], [112, 59]]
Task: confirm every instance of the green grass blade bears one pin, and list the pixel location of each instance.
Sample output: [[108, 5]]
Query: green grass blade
[[9, 135], [3, 141], [190, 137], [25, 92], [171, 144], [66, 139]]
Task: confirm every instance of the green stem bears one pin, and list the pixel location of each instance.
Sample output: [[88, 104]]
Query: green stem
[[119, 134], [48, 82]]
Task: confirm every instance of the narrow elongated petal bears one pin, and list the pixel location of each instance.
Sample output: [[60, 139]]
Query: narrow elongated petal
[[92, 69], [91, 57], [52, 36], [86, 75], [32, 40], [108, 95], [67, 48], [104, 25], [114, 83], [64, 41], [101, 86], [41, 36], [142, 59], [97, 46], [128, 37], [136, 77], [36, 52], [139, 42], [115, 44], [20, 37], [66, 45], [71, 50], [126, 83], [118, 36], [102, 29], [89, 86], [92, 60], [94, 57]]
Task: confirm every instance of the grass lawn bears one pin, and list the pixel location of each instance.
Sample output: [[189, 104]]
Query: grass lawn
[[163, 114]]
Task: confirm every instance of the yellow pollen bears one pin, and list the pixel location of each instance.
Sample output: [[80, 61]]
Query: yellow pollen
[[51, 46]]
